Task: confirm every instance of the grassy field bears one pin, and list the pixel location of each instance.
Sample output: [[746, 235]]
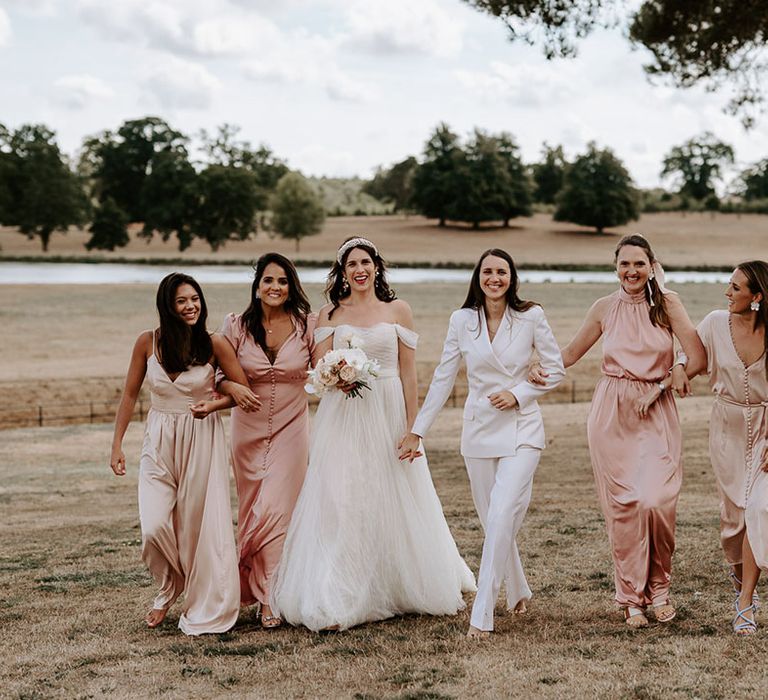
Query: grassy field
[[679, 239], [74, 593], [71, 344]]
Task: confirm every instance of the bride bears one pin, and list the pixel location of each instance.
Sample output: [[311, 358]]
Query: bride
[[368, 539]]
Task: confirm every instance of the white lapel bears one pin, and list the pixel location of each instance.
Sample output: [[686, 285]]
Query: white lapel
[[483, 343], [509, 328]]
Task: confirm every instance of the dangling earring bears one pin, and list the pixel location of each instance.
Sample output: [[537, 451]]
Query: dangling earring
[[345, 286], [650, 290], [755, 305]]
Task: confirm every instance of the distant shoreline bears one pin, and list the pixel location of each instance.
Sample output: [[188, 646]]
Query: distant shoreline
[[313, 263]]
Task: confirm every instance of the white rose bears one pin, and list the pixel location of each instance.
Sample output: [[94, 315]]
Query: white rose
[[347, 373], [328, 378]]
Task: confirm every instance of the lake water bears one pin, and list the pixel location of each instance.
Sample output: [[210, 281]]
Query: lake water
[[108, 273]]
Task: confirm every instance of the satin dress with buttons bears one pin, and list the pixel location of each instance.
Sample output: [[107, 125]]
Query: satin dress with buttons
[[738, 428], [636, 461], [269, 451]]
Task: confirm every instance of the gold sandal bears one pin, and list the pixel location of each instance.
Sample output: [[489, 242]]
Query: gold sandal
[[635, 617]]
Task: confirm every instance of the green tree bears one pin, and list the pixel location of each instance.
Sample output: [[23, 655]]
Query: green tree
[[493, 184], [394, 184], [226, 205], [698, 165], [118, 163], [548, 174], [223, 148], [297, 210], [42, 194], [754, 181], [437, 181], [169, 197], [109, 229], [715, 44], [597, 191]]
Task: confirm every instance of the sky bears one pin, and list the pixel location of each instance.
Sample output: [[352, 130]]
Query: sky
[[339, 87]]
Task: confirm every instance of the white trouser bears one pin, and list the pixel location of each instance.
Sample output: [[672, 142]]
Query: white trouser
[[501, 490]]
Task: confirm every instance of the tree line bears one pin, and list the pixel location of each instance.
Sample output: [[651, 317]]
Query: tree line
[[144, 173]]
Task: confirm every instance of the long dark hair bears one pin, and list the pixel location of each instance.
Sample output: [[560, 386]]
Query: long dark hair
[[657, 305], [475, 295], [181, 346], [756, 272], [334, 287], [297, 304]]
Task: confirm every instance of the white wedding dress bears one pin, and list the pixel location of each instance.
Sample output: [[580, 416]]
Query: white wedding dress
[[368, 538]]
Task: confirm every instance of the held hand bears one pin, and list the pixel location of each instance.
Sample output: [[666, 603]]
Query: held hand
[[680, 382], [644, 403], [503, 400], [244, 398], [117, 461], [764, 459], [201, 409], [536, 374], [408, 447]]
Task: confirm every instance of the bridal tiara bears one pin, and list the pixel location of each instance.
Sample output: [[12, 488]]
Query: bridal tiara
[[353, 243]]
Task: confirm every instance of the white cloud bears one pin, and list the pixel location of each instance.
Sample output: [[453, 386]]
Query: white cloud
[[307, 60], [235, 36], [523, 84], [5, 28], [39, 8], [322, 160], [79, 91], [181, 84], [404, 26]]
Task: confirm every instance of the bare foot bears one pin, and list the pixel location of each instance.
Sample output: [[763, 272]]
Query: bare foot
[[474, 633], [521, 608], [330, 628], [155, 617], [268, 620]]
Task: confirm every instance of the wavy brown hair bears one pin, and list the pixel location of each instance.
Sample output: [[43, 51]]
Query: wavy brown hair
[[180, 345], [657, 310], [756, 272], [297, 304], [334, 287]]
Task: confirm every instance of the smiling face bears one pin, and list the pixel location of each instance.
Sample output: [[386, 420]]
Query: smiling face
[[495, 277], [274, 286], [738, 293], [633, 268], [359, 270], [187, 304]]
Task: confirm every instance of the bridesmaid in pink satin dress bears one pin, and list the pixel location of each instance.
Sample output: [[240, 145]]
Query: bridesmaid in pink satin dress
[[186, 520], [273, 342], [633, 428]]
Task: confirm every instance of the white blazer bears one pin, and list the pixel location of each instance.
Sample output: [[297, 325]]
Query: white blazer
[[491, 367]]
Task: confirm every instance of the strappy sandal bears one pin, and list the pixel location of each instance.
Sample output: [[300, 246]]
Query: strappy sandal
[[664, 612], [736, 583], [741, 624], [635, 617]]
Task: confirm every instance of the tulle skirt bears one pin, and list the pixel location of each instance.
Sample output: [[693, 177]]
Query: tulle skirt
[[368, 539]]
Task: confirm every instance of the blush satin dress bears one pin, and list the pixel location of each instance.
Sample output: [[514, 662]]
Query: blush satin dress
[[636, 461]]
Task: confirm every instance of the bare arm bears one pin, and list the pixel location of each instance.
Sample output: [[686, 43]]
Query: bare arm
[[589, 333], [407, 365], [237, 391], [686, 334], [137, 370]]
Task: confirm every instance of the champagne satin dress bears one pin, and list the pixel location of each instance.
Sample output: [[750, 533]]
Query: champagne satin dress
[[270, 449], [636, 461], [738, 427], [186, 520]]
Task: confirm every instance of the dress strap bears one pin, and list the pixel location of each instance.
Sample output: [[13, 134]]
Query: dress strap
[[408, 337], [323, 333]]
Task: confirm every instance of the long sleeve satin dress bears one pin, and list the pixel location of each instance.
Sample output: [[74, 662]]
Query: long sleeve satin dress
[[738, 427], [186, 520], [636, 461], [270, 450]]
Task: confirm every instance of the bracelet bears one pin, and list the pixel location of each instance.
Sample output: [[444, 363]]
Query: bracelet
[[680, 359]]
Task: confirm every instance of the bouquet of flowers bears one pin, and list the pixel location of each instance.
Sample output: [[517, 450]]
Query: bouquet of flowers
[[349, 365]]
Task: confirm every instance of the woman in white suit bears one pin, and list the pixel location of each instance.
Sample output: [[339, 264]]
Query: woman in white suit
[[496, 333]]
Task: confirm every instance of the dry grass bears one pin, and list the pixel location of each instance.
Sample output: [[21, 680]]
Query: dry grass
[[74, 593], [681, 239], [70, 344]]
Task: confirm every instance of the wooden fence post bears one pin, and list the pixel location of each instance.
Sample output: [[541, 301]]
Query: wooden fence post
[[573, 391], [40, 416]]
